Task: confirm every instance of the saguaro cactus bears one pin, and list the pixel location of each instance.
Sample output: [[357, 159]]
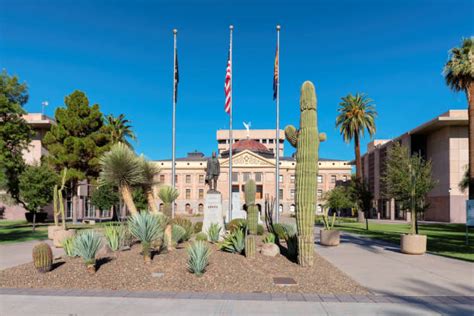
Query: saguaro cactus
[[306, 141], [58, 201], [43, 257], [252, 210]]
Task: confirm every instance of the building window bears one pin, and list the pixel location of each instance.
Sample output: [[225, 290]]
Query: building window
[[188, 194], [320, 193], [176, 178], [258, 176], [319, 209], [201, 208], [162, 178], [188, 208], [281, 178], [320, 179], [161, 208], [201, 178], [292, 193], [344, 178], [235, 177], [292, 208], [246, 176], [292, 178], [280, 195], [333, 179], [188, 178], [201, 193], [270, 141]]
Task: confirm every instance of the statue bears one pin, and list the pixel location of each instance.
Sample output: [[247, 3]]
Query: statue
[[247, 127], [213, 171]]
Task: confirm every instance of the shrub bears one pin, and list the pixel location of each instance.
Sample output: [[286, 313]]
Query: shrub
[[117, 236], [236, 223], [201, 236], [86, 245], [43, 257], [197, 227], [198, 257], [214, 232], [147, 228], [187, 225], [233, 242], [260, 230], [177, 233], [68, 246], [269, 239]]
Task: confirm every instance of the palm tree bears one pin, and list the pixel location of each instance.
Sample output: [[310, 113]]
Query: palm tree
[[459, 75], [122, 168], [356, 114], [120, 129], [150, 171]]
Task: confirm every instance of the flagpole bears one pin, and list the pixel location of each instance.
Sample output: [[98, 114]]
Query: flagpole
[[231, 27], [173, 160], [277, 140]]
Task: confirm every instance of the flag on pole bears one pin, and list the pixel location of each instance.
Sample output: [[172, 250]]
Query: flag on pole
[[228, 85], [275, 75], [176, 76]]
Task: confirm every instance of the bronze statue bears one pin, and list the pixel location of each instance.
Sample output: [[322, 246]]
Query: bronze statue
[[213, 171]]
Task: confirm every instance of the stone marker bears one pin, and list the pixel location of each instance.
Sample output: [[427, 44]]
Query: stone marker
[[213, 212]]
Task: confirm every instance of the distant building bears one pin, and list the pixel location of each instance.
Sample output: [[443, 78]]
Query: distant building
[[444, 141], [253, 157]]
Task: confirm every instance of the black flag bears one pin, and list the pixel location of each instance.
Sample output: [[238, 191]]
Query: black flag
[[176, 76]]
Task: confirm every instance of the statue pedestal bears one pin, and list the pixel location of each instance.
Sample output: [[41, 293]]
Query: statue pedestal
[[213, 212]]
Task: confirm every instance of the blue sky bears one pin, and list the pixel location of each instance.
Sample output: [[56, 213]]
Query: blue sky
[[120, 54]]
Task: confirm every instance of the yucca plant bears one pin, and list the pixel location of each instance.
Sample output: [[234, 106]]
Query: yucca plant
[[168, 195], [147, 228], [201, 236], [117, 236], [177, 233], [213, 232], [122, 168], [150, 171], [198, 257], [86, 245], [68, 246], [187, 225]]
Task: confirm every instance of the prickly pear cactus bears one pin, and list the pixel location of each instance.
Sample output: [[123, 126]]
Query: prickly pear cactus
[[252, 210], [43, 257], [306, 141]]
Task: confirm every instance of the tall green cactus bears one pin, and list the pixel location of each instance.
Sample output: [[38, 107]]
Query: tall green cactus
[[43, 257], [59, 200], [252, 210], [306, 141]]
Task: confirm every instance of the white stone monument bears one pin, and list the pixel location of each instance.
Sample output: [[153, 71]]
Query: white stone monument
[[237, 211], [213, 212]]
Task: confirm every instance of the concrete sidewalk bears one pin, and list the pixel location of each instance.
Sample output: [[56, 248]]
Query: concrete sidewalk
[[19, 253], [380, 267]]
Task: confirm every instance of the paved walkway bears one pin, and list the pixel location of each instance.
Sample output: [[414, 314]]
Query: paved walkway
[[19, 253], [381, 268]]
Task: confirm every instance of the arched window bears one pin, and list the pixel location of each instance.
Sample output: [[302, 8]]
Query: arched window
[[292, 208], [188, 208], [201, 208]]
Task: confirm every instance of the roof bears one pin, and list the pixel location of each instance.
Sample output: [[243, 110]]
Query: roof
[[251, 145]]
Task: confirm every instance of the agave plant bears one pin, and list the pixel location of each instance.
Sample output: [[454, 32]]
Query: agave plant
[[233, 242], [121, 167], [117, 236], [213, 232], [198, 257], [147, 228], [177, 234], [68, 246], [86, 245]]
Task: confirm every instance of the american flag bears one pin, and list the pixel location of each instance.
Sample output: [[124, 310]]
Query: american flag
[[228, 85], [275, 75]]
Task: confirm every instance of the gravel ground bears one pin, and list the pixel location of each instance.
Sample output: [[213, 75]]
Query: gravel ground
[[229, 273]]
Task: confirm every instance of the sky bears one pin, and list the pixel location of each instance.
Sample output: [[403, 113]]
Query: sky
[[120, 53]]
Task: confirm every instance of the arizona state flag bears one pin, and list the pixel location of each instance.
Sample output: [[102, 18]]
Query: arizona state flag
[[276, 75]]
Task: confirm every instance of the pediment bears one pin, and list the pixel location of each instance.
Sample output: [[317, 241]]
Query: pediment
[[247, 158]]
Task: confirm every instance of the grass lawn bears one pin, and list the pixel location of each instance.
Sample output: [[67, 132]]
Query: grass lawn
[[21, 230], [447, 240]]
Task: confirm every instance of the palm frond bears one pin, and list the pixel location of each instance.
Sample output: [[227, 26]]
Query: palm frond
[[459, 70], [168, 194], [120, 166]]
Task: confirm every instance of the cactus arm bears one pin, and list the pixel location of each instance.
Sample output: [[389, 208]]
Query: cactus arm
[[55, 205], [322, 137], [333, 219], [291, 135]]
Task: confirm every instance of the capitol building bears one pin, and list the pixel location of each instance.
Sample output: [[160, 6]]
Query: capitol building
[[253, 156]]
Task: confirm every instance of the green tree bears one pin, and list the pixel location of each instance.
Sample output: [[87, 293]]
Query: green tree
[[15, 133], [140, 199], [77, 140], [363, 197], [120, 129], [408, 180], [150, 171], [104, 197], [356, 114], [459, 76], [36, 188], [338, 198]]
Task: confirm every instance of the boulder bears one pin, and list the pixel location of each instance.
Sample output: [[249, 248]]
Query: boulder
[[61, 234], [270, 250], [104, 251]]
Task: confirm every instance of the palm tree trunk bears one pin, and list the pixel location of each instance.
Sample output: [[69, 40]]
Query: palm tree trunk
[[151, 201], [357, 157], [128, 199], [470, 101]]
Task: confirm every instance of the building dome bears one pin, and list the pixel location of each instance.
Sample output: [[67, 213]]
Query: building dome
[[251, 145]]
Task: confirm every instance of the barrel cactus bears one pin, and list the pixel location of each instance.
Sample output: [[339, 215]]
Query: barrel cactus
[[252, 210], [43, 257], [306, 141]]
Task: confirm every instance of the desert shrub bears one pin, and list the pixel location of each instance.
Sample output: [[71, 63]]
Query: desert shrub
[[187, 225], [269, 239], [260, 230], [147, 228], [233, 242], [201, 236], [214, 232], [198, 257], [177, 233], [197, 227], [117, 236], [236, 223], [86, 245], [68, 246]]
